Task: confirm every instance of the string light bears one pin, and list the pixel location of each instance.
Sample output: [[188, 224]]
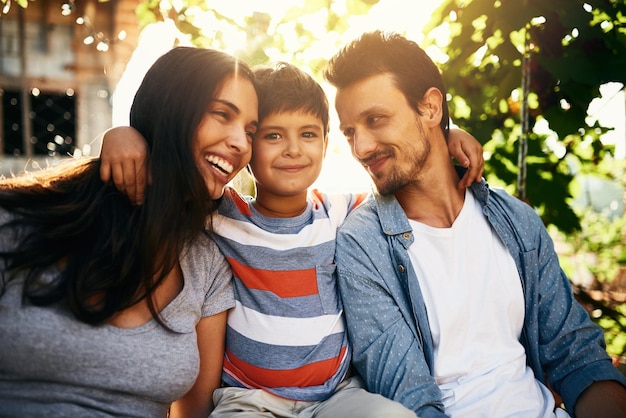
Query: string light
[[7, 7], [93, 37], [67, 8]]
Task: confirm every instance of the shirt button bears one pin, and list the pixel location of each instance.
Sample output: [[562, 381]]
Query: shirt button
[[406, 235], [401, 268]]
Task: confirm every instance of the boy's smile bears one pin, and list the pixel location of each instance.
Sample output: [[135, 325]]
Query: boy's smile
[[287, 155]]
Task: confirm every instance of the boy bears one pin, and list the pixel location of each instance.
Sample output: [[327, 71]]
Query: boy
[[287, 351]]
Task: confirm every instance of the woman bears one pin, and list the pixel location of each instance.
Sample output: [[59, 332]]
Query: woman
[[113, 309]]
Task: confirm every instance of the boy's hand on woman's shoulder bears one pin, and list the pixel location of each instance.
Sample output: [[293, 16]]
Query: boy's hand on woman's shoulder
[[124, 159]]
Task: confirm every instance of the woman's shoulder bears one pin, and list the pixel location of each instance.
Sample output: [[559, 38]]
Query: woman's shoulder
[[202, 252], [207, 275]]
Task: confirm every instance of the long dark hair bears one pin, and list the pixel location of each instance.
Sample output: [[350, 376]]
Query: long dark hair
[[113, 254]]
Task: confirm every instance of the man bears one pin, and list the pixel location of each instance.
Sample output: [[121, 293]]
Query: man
[[455, 301]]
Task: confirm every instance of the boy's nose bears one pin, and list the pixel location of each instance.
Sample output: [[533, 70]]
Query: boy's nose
[[293, 148]]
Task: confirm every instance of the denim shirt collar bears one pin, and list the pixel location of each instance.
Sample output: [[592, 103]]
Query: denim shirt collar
[[392, 217], [395, 222]]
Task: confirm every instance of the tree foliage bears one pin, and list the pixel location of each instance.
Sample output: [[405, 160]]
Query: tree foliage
[[573, 47], [289, 36]]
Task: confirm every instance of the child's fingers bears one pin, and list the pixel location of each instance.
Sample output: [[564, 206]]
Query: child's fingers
[[460, 155], [474, 173], [130, 184], [105, 171], [141, 180], [476, 165], [466, 180], [117, 174]]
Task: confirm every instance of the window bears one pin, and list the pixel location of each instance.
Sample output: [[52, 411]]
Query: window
[[52, 119]]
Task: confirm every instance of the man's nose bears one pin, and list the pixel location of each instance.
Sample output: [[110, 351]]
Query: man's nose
[[362, 143]]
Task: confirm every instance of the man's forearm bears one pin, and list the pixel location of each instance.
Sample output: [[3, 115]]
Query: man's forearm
[[604, 399]]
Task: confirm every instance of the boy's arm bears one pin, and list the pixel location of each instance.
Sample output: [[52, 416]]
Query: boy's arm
[[469, 153], [124, 159]]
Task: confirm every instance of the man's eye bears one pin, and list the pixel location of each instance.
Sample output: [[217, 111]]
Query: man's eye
[[373, 119]]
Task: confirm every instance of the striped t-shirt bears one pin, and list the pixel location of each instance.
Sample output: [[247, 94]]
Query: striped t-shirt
[[286, 334]]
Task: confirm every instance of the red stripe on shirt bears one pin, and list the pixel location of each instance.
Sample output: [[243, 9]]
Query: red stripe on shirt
[[285, 284], [239, 201], [312, 374], [359, 198]]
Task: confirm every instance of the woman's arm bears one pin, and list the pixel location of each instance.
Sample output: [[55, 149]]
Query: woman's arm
[[198, 402]]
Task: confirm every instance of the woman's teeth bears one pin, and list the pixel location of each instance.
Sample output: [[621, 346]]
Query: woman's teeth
[[220, 163]]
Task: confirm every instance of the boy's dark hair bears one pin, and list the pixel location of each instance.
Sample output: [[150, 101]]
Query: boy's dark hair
[[378, 53], [284, 87]]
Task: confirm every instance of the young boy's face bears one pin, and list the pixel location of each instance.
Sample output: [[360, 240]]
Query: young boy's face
[[287, 152]]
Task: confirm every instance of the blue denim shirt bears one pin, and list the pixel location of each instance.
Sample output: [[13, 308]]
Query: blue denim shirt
[[386, 314]]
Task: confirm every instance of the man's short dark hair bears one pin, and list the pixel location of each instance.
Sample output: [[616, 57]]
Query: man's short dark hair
[[379, 53]]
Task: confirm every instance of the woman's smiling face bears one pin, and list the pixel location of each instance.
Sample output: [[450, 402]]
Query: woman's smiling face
[[223, 141]]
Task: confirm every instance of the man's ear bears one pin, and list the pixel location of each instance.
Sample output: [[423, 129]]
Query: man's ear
[[431, 107]]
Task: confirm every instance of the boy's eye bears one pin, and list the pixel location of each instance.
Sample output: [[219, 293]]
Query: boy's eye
[[309, 134], [272, 135]]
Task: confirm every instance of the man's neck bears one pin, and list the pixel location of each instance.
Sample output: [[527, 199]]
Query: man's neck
[[433, 202]]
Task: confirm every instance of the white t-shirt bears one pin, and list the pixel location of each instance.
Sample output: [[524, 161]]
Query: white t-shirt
[[475, 307]]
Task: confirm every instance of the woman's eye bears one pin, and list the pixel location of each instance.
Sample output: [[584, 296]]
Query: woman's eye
[[221, 114]]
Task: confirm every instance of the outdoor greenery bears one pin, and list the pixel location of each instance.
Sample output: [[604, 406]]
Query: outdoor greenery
[[573, 47], [570, 48]]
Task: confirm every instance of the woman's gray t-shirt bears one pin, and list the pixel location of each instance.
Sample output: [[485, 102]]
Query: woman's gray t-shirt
[[54, 365]]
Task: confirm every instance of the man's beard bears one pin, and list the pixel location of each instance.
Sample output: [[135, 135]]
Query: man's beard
[[398, 178]]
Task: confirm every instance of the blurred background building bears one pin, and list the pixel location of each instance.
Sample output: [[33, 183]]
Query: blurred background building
[[59, 62]]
